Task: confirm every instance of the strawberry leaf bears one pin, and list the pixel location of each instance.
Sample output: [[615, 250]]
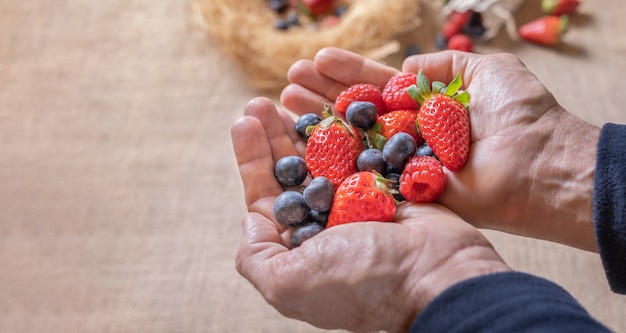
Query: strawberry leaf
[[454, 86], [413, 92], [423, 87], [379, 141], [438, 86], [463, 98]]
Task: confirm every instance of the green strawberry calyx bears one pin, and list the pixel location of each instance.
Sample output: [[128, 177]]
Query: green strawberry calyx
[[422, 90], [328, 120]]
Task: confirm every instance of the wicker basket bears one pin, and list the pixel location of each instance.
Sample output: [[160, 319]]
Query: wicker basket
[[245, 30]]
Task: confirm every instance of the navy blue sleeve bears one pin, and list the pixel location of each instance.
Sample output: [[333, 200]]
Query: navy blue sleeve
[[505, 302], [609, 204]]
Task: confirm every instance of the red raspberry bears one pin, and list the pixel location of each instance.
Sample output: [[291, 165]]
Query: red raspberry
[[461, 43], [422, 179], [364, 92], [395, 92]]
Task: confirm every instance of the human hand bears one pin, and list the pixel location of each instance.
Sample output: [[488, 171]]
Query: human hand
[[364, 276], [531, 165]]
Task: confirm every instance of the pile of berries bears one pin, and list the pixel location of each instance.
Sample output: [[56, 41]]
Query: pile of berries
[[459, 31], [321, 13], [385, 146]]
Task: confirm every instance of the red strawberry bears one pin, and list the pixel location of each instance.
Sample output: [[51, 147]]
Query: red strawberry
[[422, 179], [444, 120], [333, 149], [395, 95], [317, 7], [461, 42], [559, 7], [400, 121], [546, 30], [360, 92], [455, 23], [364, 196]]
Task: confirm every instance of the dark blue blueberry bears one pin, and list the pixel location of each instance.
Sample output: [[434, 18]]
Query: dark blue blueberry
[[303, 232], [394, 183], [319, 194], [279, 6], [398, 149], [306, 120], [412, 50], [441, 43], [371, 159], [362, 114], [293, 19], [341, 10], [290, 171], [474, 26], [320, 218], [281, 25], [424, 150], [290, 208]]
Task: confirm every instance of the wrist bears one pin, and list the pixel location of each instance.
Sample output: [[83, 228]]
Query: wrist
[[562, 183], [467, 263]]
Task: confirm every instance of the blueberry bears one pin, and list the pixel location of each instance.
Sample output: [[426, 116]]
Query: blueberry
[[362, 114], [441, 43], [290, 208], [398, 149], [281, 25], [303, 232], [279, 6], [290, 171], [474, 26], [306, 120], [394, 183], [319, 194], [371, 159], [424, 150], [320, 218], [412, 50]]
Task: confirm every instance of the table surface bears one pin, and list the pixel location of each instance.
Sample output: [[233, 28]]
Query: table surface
[[120, 202]]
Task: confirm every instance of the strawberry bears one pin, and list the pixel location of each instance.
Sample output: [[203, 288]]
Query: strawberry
[[333, 149], [559, 7], [360, 92], [364, 196], [422, 179], [395, 95], [317, 7], [444, 119], [546, 30], [461, 42], [455, 23], [400, 121]]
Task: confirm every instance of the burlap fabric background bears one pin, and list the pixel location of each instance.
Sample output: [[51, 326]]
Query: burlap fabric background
[[120, 201]]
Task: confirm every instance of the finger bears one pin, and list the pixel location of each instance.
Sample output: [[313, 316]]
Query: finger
[[442, 66], [256, 165], [301, 100], [280, 138], [345, 68], [260, 242]]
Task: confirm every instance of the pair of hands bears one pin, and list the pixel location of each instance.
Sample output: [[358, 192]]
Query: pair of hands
[[530, 172]]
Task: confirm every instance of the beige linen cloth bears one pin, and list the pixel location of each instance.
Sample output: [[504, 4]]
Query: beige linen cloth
[[120, 202]]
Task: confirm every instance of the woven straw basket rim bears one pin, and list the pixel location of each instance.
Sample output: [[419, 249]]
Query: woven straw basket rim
[[245, 31]]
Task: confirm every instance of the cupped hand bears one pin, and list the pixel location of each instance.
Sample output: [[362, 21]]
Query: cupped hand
[[364, 276], [531, 165]]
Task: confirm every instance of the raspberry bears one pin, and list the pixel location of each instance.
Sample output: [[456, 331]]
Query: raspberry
[[461, 43], [395, 93], [364, 92], [422, 179]]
